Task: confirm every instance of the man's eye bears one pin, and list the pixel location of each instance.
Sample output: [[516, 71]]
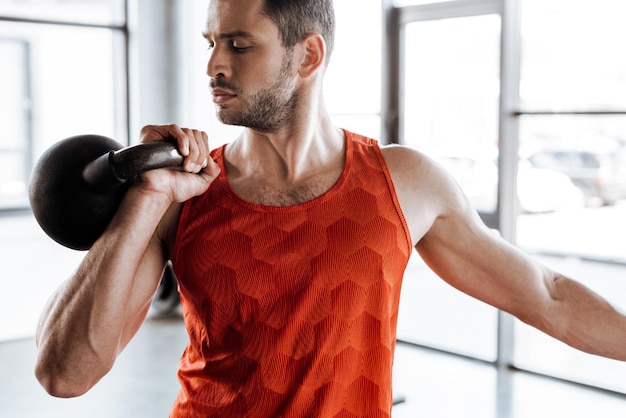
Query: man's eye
[[238, 48]]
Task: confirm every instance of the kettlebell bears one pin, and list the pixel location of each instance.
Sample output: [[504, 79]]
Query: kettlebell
[[78, 184]]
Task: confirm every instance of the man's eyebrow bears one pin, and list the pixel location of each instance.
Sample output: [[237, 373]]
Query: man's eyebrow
[[230, 35]]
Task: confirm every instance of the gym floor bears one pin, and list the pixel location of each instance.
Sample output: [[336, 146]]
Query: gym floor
[[143, 382]]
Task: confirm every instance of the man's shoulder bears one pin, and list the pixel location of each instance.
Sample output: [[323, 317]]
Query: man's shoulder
[[404, 159], [424, 188]]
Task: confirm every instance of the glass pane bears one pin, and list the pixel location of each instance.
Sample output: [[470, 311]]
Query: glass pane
[[571, 54], [13, 185], [353, 80], [368, 125], [81, 11], [451, 99], [434, 314], [33, 266], [75, 83], [537, 397], [14, 108], [14, 97], [580, 166]]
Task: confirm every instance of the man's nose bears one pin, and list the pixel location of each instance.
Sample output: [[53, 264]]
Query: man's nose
[[218, 63]]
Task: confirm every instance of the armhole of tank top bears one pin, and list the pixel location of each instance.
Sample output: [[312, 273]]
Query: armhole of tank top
[[394, 196]]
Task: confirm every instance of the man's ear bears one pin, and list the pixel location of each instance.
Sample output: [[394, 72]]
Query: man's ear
[[314, 56]]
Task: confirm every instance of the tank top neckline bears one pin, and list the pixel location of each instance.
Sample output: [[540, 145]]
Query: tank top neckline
[[335, 188]]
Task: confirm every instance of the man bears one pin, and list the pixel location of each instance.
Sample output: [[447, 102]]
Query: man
[[290, 244]]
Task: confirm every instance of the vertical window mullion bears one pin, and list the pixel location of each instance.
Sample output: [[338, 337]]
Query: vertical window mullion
[[508, 157]]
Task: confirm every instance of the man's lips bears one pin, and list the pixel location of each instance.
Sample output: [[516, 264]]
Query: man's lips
[[221, 96]]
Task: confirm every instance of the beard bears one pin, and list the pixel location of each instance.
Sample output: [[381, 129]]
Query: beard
[[268, 109]]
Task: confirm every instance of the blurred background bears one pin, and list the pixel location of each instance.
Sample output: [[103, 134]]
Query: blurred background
[[523, 101]]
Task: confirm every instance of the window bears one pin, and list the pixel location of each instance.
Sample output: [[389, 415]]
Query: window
[[450, 99], [560, 152], [63, 72], [353, 90], [15, 149], [61, 78], [572, 123]]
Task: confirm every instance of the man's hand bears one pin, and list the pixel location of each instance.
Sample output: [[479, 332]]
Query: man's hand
[[199, 170]]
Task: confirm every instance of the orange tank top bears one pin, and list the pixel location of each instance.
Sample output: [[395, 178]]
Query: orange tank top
[[291, 311]]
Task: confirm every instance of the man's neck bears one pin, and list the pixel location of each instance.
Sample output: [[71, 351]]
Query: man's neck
[[289, 153], [286, 167]]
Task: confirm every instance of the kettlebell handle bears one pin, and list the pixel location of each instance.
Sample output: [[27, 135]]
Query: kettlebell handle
[[118, 166]]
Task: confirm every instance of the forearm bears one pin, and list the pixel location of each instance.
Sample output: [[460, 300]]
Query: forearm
[[85, 325], [585, 320]]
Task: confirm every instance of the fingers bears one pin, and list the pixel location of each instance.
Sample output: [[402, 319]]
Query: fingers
[[192, 144], [195, 147], [151, 133]]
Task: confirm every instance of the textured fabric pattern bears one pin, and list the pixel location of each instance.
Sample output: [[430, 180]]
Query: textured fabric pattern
[[292, 311]]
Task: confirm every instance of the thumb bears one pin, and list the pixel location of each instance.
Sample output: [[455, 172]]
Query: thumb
[[210, 169]]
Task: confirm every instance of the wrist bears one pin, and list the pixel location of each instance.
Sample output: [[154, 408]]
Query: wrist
[[141, 210]]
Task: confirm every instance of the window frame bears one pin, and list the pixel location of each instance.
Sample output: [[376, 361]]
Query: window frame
[[121, 59]]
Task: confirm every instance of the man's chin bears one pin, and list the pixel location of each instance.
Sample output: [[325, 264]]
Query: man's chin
[[225, 119], [229, 121]]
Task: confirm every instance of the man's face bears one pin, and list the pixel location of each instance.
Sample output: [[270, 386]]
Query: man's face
[[252, 79]]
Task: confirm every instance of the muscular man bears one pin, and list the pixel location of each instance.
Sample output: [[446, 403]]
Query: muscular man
[[290, 245]]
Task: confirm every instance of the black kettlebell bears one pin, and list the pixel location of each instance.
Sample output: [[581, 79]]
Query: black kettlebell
[[78, 184]]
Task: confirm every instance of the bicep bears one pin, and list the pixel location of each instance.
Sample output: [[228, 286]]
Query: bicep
[[461, 250], [454, 242]]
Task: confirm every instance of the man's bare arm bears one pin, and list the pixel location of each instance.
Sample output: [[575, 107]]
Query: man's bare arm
[[455, 243], [93, 316]]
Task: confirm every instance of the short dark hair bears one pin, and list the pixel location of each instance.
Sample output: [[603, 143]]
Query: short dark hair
[[296, 19]]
